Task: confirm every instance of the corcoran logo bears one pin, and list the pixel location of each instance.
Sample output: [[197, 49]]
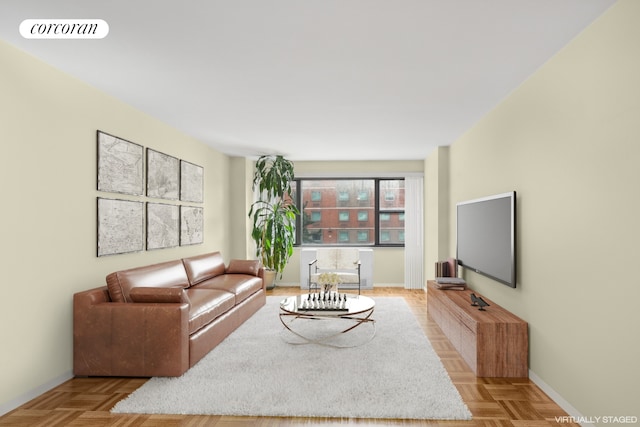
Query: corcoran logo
[[64, 29]]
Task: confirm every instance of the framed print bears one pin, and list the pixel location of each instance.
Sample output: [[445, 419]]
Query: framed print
[[120, 226], [191, 182], [163, 175], [191, 225], [120, 165], [163, 226]]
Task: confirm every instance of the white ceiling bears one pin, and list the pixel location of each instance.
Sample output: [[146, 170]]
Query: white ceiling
[[310, 79]]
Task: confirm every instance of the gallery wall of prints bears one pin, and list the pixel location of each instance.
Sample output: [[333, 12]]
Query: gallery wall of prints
[[160, 202]]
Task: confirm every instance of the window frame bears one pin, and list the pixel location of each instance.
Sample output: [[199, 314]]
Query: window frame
[[377, 196]]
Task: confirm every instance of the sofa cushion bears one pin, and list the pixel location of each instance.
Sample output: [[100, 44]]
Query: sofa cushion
[[240, 285], [169, 274], [206, 305], [244, 266], [202, 267], [158, 295]]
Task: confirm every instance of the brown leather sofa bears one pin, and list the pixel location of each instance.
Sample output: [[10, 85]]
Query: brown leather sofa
[[161, 319]]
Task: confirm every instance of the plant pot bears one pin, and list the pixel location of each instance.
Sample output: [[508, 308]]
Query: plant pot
[[269, 278]]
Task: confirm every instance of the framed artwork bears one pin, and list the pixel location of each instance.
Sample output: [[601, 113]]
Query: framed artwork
[[120, 165], [191, 182], [120, 226], [163, 175], [163, 226], [191, 225]]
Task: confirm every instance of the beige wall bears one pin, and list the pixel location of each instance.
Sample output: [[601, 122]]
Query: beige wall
[[436, 189], [48, 215], [348, 169], [241, 197], [568, 142]]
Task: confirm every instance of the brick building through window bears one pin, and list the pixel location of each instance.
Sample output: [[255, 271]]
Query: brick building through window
[[363, 212]]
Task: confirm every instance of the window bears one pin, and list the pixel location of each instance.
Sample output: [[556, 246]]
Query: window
[[339, 211], [363, 235], [315, 236], [391, 212]]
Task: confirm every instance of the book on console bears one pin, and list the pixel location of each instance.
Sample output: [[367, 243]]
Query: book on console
[[451, 283], [451, 280], [448, 268], [452, 267], [451, 287]]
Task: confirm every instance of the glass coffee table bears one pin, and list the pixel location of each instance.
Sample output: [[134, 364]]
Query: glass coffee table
[[332, 319]]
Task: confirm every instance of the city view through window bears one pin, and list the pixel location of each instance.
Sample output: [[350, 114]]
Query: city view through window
[[362, 212]]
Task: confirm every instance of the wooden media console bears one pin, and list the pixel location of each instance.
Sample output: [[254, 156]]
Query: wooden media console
[[494, 343]]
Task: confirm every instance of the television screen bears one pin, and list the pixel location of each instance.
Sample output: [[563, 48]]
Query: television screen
[[486, 236]]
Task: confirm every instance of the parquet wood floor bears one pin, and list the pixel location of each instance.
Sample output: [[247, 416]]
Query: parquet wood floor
[[84, 402]]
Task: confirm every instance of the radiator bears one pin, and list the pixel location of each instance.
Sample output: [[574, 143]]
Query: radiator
[[366, 268]]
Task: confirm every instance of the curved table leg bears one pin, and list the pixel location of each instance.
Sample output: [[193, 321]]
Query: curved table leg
[[319, 317]]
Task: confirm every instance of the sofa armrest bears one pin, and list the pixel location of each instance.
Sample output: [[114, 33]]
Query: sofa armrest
[[128, 339]]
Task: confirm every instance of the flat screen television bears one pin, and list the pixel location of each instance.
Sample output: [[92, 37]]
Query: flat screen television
[[486, 236]]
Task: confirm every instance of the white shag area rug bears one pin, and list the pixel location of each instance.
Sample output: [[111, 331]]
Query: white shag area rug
[[257, 371]]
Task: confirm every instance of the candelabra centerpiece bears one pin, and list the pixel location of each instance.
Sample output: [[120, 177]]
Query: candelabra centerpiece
[[329, 282]]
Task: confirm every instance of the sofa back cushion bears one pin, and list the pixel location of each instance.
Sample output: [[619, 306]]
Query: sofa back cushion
[[169, 274], [203, 267]]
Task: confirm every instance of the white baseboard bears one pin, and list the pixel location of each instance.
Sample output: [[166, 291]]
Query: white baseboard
[[287, 284], [389, 285], [575, 415], [32, 394]]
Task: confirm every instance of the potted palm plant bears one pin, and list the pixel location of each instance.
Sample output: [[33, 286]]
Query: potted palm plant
[[273, 214]]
